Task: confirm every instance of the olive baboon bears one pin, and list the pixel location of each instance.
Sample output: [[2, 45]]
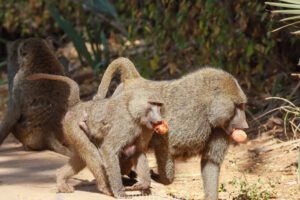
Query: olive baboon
[[202, 108], [35, 109], [123, 123]]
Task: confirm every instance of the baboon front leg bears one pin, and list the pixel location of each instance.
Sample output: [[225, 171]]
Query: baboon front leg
[[210, 175], [212, 158], [74, 165], [164, 159], [143, 174], [113, 170]]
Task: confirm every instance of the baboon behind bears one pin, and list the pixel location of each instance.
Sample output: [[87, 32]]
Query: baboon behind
[[35, 109], [123, 123], [202, 108]]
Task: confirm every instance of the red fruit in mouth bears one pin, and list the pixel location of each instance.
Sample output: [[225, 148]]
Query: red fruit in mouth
[[161, 128]]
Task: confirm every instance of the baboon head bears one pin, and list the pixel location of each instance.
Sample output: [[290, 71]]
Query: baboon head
[[227, 108], [35, 52], [152, 115], [146, 109]]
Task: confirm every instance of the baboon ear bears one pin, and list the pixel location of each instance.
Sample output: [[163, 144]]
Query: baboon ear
[[220, 111]]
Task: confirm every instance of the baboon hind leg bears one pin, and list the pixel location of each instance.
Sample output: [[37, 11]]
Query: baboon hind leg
[[74, 165], [10, 119]]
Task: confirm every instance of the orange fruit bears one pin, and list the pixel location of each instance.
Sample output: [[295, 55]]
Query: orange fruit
[[239, 136], [161, 128]]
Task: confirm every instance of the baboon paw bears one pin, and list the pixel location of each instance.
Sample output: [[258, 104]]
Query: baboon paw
[[65, 188], [146, 192], [156, 177], [139, 186], [120, 195], [104, 190]]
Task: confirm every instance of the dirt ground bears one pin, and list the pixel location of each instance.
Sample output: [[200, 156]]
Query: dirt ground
[[263, 168], [28, 175]]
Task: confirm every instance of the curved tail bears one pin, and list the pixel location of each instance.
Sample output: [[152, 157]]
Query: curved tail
[[127, 69], [74, 96]]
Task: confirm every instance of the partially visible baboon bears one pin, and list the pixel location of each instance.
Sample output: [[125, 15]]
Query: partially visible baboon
[[121, 125], [202, 108], [35, 109]]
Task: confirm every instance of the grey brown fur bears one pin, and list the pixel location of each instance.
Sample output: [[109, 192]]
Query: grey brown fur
[[201, 108], [118, 123], [35, 109]]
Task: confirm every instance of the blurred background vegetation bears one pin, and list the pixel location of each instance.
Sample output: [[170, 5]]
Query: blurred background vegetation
[[166, 38]]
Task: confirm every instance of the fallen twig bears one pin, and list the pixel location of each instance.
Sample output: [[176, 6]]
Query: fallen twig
[[274, 146]]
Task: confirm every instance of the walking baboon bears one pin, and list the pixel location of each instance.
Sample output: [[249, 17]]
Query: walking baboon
[[202, 109], [121, 124], [35, 109]]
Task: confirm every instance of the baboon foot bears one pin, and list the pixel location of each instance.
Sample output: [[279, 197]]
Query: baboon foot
[[64, 188]]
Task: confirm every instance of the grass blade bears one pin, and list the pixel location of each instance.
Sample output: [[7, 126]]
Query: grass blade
[[291, 1], [297, 22], [283, 5], [291, 12], [290, 18]]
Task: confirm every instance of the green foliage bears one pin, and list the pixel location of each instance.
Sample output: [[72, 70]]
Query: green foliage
[[176, 36], [255, 191], [228, 34], [92, 34], [67, 27], [77, 19]]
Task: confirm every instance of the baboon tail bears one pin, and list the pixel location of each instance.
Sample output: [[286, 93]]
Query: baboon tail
[[127, 70], [55, 145], [74, 96]]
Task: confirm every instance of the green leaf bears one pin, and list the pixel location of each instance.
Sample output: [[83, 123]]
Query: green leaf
[[102, 6], [249, 50], [3, 82]]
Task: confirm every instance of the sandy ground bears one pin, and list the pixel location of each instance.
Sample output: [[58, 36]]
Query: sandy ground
[[28, 175]]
